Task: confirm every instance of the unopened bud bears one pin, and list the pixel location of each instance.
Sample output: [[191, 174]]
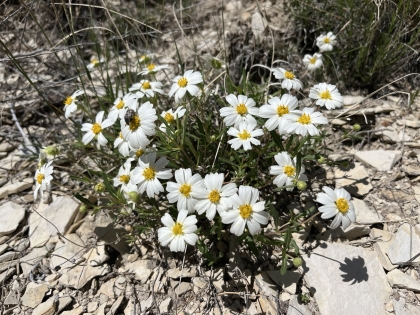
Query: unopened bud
[[217, 64], [321, 159], [356, 127], [212, 137], [297, 262], [83, 209], [100, 188], [52, 151], [345, 164], [301, 185], [128, 228], [133, 196]]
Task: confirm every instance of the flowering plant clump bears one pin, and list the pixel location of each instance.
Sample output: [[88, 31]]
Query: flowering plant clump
[[187, 163]]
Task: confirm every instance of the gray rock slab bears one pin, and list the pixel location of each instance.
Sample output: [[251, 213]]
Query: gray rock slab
[[403, 308], [354, 231], [165, 305], [60, 215], [288, 281], [46, 308], [364, 214], [10, 256], [7, 274], [3, 248], [381, 246], [67, 253], [188, 272], [142, 269], [34, 294], [110, 233], [28, 261], [405, 245], [14, 187], [399, 279], [297, 308], [11, 215], [381, 160], [347, 280], [12, 298], [355, 180]]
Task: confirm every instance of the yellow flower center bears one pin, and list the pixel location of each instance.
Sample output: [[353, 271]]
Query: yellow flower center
[[120, 104], [182, 82], [96, 128], [68, 100], [134, 122], [289, 170], [120, 136], [305, 119], [244, 135], [146, 85], [169, 118], [151, 67], [342, 205], [289, 75], [185, 189], [282, 109], [245, 211], [94, 62], [125, 179], [326, 95], [139, 152], [241, 109], [178, 229], [40, 178], [149, 173], [312, 61], [326, 40], [214, 196]]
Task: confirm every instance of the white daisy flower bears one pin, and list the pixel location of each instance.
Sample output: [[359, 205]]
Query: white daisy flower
[[275, 111], [170, 116], [136, 153], [124, 175], [152, 68], [148, 173], [289, 79], [131, 194], [43, 177], [141, 125], [186, 189], [121, 105], [326, 95], [240, 110], [216, 196], [313, 62], [336, 203], [244, 136], [95, 130], [122, 145], [70, 105], [286, 171], [178, 233], [146, 88], [305, 123], [95, 63], [187, 82], [326, 42], [245, 211]]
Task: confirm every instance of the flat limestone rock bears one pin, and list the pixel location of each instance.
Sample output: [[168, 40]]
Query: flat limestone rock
[[405, 245], [65, 254], [28, 261], [399, 279], [347, 280], [296, 308], [11, 214], [60, 214], [381, 160], [355, 179], [175, 273], [34, 294], [382, 245], [15, 186], [287, 282], [363, 213]]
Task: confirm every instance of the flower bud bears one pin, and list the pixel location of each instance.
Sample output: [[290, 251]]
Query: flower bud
[[83, 209], [345, 164], [212, 137], [100, 188], [52, 151], [356, 127], [321, 159], [217, 64], [297, 262], [133, 196], [301, 185], [128, 228]]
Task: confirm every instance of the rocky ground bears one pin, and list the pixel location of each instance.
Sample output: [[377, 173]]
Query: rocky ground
[[56, 260]]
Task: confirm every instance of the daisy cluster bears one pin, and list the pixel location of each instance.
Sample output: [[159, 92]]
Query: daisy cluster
[[130, 123]]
